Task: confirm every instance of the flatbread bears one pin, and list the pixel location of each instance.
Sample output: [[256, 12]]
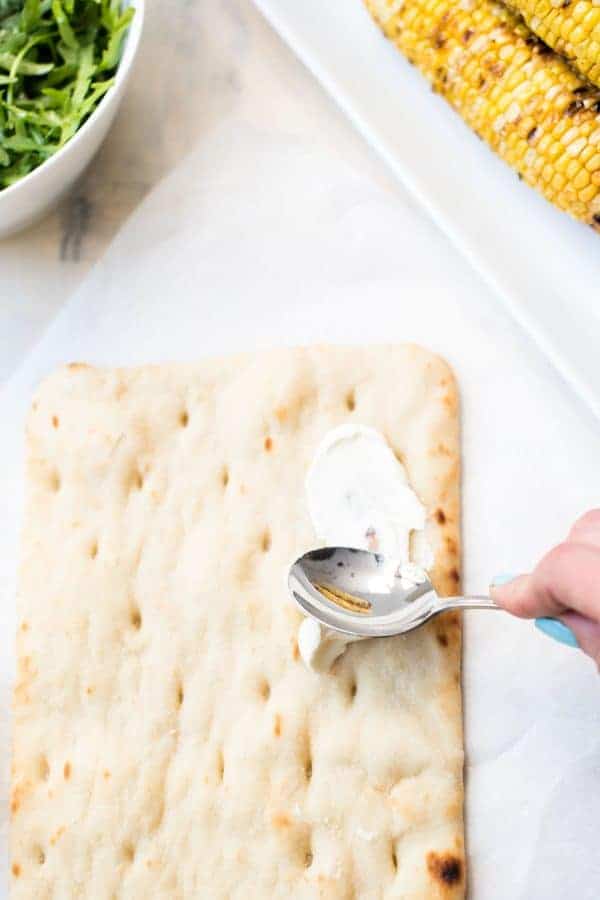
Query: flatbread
[[169, 742]]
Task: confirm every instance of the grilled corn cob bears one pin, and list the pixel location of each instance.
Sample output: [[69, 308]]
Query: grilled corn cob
[[570, 28], [516, 94]]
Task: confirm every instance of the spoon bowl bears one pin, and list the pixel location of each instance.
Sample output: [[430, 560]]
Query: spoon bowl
[[365, 594]]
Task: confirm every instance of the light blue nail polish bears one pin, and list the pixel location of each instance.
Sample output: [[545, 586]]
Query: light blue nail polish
[[498, 580], [557, 631]]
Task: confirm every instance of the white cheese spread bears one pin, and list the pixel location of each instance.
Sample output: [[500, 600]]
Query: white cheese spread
[[358, 496]]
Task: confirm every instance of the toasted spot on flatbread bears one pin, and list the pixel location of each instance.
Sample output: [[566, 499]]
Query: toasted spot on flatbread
[[445, 868]]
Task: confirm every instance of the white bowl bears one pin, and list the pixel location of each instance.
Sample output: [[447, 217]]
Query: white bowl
[[32, 196]]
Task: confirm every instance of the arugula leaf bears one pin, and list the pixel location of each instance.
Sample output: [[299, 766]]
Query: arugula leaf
[[57, 60], [110, 57], [8, 7], [64, 26], [18, 66], [30, 15]]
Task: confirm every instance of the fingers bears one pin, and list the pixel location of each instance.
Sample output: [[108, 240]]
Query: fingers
[[567, 578], [517, 597], [586, 631], [586, 529], [565, 586]]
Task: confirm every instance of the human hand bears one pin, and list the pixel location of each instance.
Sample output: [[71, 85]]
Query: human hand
[[563, 592]]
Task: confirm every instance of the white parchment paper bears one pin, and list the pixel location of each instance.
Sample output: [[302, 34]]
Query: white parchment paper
[[256, 240]]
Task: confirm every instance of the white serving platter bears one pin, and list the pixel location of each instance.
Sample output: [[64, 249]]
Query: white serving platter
[[545, 266]]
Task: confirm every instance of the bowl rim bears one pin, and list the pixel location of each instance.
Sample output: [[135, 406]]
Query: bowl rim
[[132, 41]]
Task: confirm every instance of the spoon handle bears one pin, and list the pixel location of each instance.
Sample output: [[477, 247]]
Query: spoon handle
[[472, 602]]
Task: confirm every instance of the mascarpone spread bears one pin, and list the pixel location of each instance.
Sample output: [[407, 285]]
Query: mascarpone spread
[[359, 496]]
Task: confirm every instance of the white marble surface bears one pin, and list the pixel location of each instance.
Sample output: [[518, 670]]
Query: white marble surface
[[200, 61]]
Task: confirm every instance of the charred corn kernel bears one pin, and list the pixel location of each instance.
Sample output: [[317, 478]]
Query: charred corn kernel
[[571, 29], [523, 99]]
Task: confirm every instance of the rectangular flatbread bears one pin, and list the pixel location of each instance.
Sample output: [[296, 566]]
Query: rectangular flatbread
[[169, 742]]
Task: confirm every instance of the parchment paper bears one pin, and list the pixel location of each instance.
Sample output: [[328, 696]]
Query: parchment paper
[[255, 241]]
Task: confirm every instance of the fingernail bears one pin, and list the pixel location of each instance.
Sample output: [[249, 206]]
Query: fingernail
[[499, 580], [557, 631]]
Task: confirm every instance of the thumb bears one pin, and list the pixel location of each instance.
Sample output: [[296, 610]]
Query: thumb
[[567, 578]]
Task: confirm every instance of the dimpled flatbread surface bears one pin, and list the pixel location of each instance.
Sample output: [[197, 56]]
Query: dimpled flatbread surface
[[168, 740]]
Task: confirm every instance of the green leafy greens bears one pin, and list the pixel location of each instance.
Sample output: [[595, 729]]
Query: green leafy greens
[[57, 60]]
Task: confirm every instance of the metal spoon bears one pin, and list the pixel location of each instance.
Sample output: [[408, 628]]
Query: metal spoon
[[361, 593]]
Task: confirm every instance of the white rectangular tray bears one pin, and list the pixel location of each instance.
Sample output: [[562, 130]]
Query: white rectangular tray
[[545, 266]]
